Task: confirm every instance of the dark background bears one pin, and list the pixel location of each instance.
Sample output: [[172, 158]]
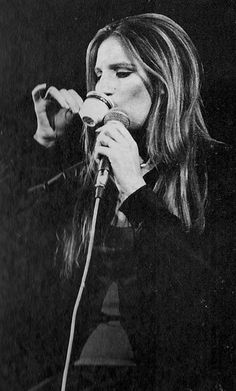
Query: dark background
[[45, 41]]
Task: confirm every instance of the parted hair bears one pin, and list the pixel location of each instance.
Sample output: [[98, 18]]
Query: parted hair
[[174, 130]]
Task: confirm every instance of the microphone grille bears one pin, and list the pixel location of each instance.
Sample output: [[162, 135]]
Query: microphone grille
[[117, 115]]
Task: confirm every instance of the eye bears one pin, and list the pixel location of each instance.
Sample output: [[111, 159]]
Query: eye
[[123, 74]]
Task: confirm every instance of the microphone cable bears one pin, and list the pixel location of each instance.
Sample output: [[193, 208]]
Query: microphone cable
[[102, 178], [82, 285]]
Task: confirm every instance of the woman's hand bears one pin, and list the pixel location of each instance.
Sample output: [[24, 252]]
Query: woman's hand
[[115, 142], [54, 110]]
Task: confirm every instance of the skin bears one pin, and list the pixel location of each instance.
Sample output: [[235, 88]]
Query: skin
[[70, 103], [121, 78]]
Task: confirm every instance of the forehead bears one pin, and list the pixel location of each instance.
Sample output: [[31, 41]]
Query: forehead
[[112, 50]]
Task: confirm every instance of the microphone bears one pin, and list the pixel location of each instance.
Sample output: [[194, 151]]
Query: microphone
[[104, 168], [116, 114]]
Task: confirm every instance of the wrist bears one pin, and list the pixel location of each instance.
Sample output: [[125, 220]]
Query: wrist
[[124, 194]]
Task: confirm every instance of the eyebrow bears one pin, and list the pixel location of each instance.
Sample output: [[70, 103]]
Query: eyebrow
[[118, 65]]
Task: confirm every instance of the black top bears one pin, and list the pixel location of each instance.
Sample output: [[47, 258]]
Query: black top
[[180, 321], [108, 344]]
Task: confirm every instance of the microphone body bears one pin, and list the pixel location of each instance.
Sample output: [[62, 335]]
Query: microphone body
[[104, 167]]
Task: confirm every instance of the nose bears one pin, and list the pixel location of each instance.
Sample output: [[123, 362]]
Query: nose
[[106, 85]]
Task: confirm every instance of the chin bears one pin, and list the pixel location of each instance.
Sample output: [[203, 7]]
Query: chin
[[135, 126]]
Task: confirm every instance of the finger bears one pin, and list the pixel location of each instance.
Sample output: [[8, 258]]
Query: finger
[[117, 131], [111, 131], [55, 93], [105, 141], [101, 151], [122, 130], [77, 99], [69, 100], [37, 92]]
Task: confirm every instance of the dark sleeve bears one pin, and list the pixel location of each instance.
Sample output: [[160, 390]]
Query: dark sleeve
[[34, 164], [144, 206], [151, 218], [39, 192], [175, 283]]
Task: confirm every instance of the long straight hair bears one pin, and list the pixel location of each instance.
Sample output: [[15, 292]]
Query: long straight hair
[[175, 128]]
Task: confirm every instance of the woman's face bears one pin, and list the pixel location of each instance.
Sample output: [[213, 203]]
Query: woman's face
[[123, 79]]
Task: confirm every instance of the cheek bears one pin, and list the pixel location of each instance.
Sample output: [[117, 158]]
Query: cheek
[[138, 105], [141, 103], [139, 94]]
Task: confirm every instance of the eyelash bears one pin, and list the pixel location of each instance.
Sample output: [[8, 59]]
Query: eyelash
[[123, 74], [119, 74]]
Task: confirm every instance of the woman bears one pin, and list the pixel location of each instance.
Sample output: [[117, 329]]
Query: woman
[[146, 310]]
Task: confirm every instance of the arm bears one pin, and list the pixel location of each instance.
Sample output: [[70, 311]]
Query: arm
[[174, 283], [56, 143], [174, 330]]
